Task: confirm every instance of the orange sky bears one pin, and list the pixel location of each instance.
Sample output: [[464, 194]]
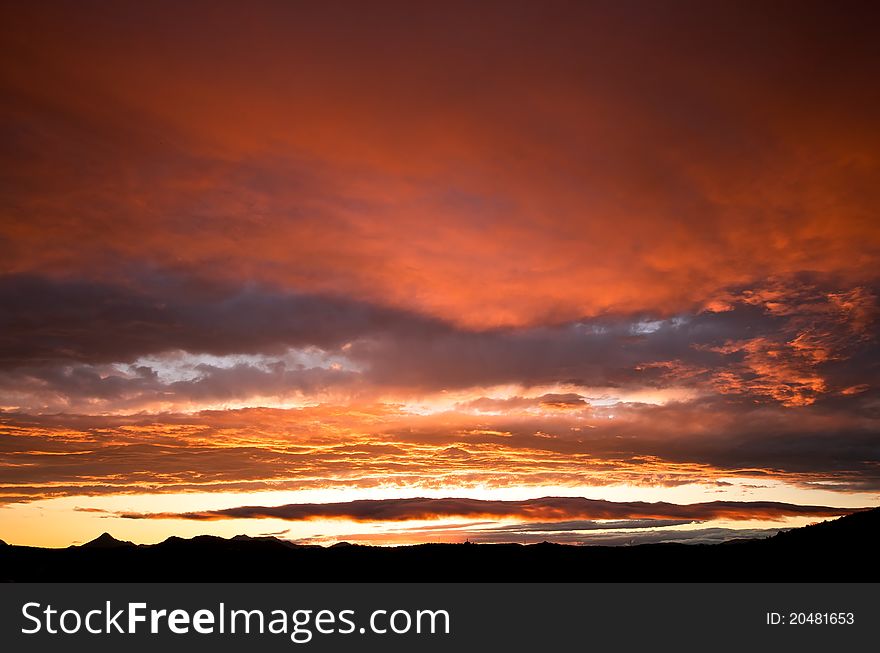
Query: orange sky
[[462, 247]]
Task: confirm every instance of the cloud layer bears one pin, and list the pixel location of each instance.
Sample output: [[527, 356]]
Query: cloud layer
[[574, 160], [789, 341]]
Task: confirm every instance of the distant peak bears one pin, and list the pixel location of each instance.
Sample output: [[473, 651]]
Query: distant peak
[[106, 541]]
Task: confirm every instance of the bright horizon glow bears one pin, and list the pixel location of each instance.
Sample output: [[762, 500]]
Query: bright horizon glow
[[59, 523]]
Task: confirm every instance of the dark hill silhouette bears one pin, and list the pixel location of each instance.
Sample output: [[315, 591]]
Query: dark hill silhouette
[[106, 541], [840, 550]]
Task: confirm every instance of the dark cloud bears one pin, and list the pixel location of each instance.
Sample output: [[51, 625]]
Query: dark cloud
[[787, 340], [84, 387], [562, 508], [58, 320], [793, 342]]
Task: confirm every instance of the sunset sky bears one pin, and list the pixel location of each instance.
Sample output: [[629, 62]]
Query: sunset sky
[[395, 272]]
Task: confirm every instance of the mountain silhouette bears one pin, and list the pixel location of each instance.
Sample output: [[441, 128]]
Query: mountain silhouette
[[106, 541], [842, 550]]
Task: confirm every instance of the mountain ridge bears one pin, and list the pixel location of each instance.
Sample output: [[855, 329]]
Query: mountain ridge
[[840, 550]]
